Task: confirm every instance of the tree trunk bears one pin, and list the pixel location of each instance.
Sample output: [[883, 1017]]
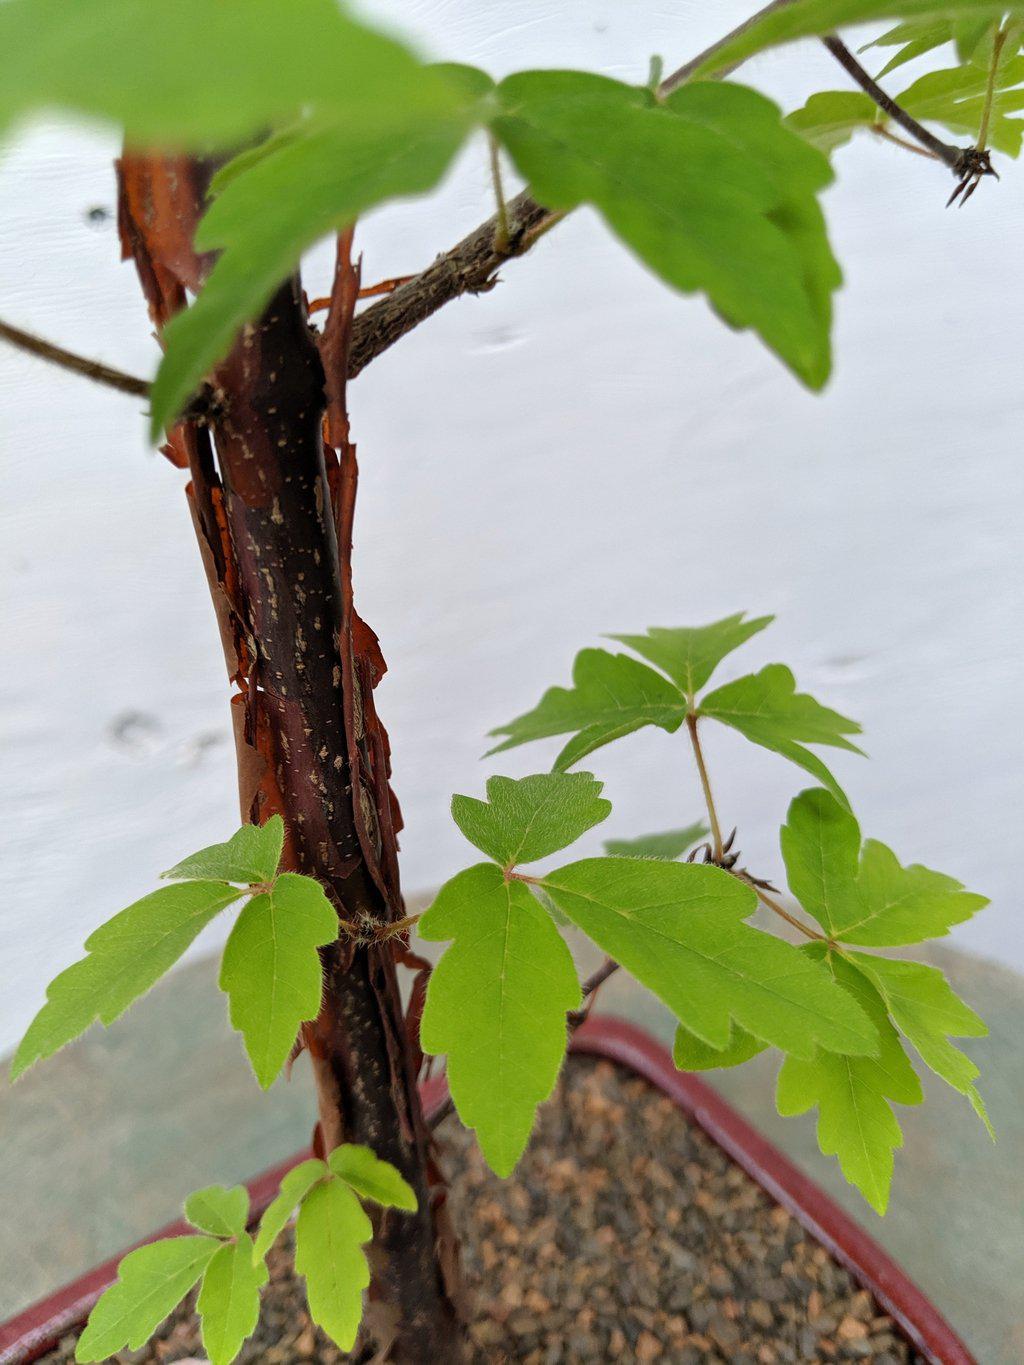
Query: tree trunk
[[272, 505]]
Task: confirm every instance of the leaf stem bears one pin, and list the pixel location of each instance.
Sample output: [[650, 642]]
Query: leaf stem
[[990, 88], [698, 753], [771, 904], [880, 131], [502, 237]]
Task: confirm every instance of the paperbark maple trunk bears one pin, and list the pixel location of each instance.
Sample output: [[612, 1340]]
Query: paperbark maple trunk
[[272, 506]]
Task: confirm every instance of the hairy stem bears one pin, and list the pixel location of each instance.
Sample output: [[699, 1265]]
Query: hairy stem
[[771, 904], [698, 753]]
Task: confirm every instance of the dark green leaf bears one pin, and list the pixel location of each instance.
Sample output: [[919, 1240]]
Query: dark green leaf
[[526, 819]]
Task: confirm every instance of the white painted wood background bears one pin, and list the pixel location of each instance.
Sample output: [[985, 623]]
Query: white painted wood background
[[580, 451]]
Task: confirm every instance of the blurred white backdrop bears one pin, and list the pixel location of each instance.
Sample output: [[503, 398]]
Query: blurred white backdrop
[[579, 451]]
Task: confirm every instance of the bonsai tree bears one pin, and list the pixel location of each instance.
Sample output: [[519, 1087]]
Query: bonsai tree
[[253, 129]]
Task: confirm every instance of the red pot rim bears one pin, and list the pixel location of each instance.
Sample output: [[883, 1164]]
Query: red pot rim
[[38, 1329]]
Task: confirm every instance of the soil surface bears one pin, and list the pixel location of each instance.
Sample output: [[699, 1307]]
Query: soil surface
[[624, 1235]]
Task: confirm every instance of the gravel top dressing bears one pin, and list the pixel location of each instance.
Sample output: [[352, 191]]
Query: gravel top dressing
[[625, 1234]]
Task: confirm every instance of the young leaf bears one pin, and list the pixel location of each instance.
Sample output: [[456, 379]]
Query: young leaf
[[679, 929], [250, 855], [666, 847], [829, 120], [690, 654], [768, 710], [293, 1189], [693, 202], [612, 695], [855, 1119], [864, 896], [267, 216], [329, 1235], [224, 1212], [229, 1301], [496, 1004], [126, 956], [927, 1011], [372, 1178], [271, 968], [151, 1282], [691, 1053], [527, 819], [123, 60]]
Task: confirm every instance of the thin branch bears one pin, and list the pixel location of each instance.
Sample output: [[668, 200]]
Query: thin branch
[[77, 364], [698, 753]]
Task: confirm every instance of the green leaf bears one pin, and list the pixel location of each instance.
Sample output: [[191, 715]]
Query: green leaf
[[955, 98], [126, 956], [830, 119], [229, 1301], [151, 1282], [691, 1053], [855, 1119], [527, 819], [679, 929], [612, 695], [768, 710], [266, 217], [496, 1004], [258, 64], [372, 1178], [666, 847], [271, 968], [224, 1212], [913, 40], [864, 896], [251, 855], [927, 1011], [330, 1231], [686, 189], [690, 654], [293, 1189]]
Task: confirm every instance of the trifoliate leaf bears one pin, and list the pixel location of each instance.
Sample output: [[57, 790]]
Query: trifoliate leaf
[[496, 1004], [956, 98], [612, 695], [126, 956], [229, 1301], [684, 190], [829, 120], [768, 710], [250, 855], [224, 1212], [151, 1282], [691, 1053], [690, 654], [665, 847], [372, 1178], [855, 1119], [271, 968], [526, 819], [330, 1232], [928, 1012], [679, 929], [864, 896], [294, 1187]]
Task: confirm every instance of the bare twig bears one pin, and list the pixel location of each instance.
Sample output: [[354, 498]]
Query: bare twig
[[77, 364]]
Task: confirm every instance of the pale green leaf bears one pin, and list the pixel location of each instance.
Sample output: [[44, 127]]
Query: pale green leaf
[[928, 1012], [829, 120], [913, 40], [258, 63], [956, 97], [679, 929], [229, 1301], [690, 654], [372, 1178], [271, 968], [768, 710], [496, 1004], [250, 855], [126, 956], [330, 1232], [612, 695], [216, 1209], [294, 1187], [863, 895], [151, 1282], [691, 1053], [855, 1119], [526, 819], [686, 190], [667, 846]]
